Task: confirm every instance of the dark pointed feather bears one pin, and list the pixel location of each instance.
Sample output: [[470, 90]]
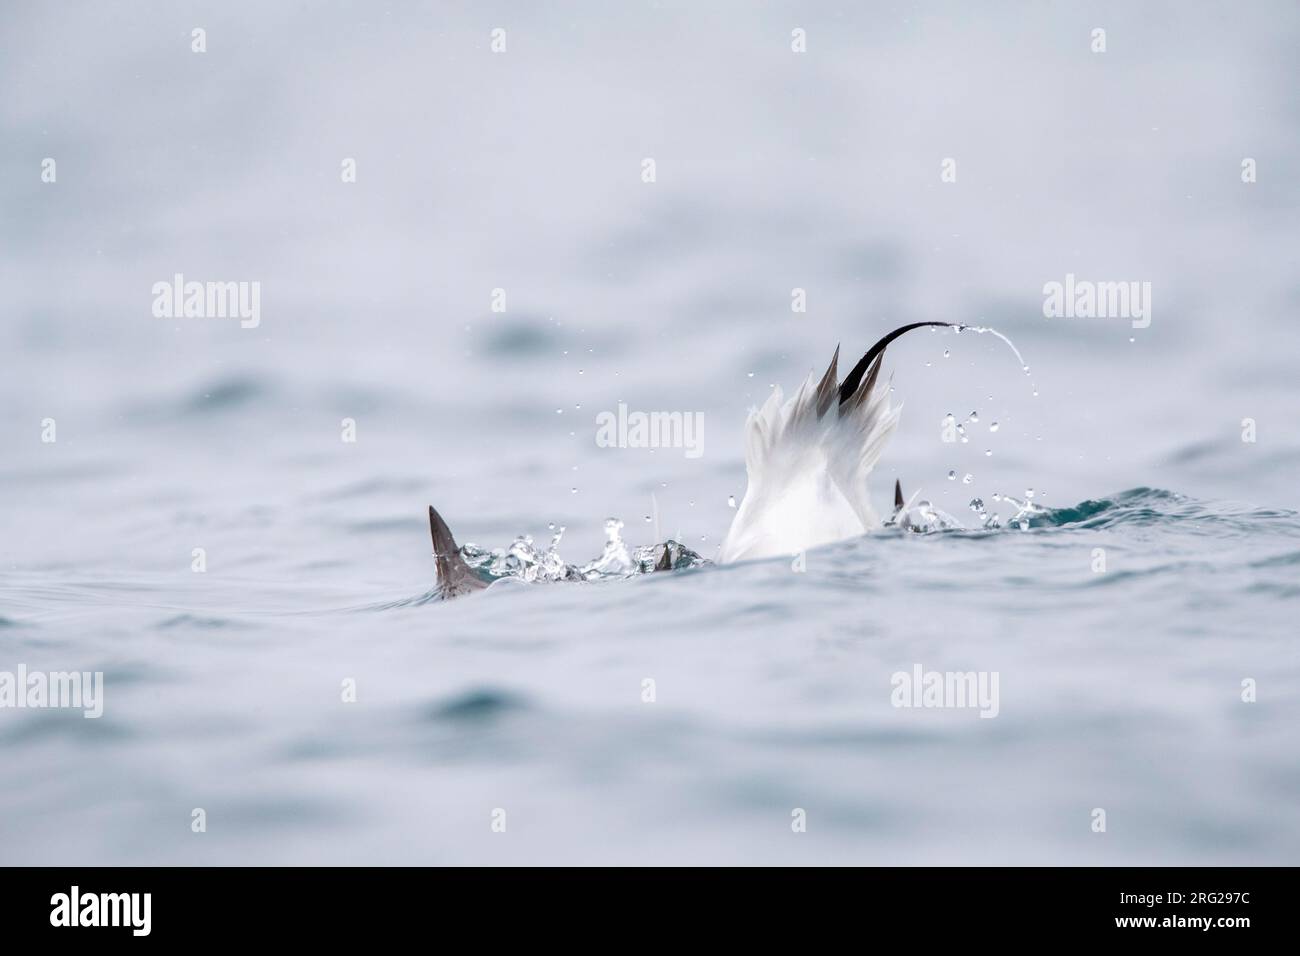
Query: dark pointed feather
[[665, 560], [854, 379], [826, 387], [455, 577]]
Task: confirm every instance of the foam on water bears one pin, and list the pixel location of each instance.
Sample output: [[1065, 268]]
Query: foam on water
[[524, 561]]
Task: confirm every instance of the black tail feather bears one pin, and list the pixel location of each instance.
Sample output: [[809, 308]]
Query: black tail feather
[[854, 378]]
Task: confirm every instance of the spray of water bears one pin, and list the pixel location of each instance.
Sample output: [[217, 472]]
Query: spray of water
[[987, 330], [524, 561]]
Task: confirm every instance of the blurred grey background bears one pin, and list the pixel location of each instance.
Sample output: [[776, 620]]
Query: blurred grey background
[[521, 171]]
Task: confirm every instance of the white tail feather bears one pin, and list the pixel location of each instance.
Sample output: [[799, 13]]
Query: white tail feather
[[808, 475]]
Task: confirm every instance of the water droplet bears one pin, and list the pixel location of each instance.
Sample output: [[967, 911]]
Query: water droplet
[[731, 501], [550, 526], [751, 374], [573, 491], [967, 478], [952, 476], [946, 353], [988, 452], [974, 417], [559, 411], [647, 519], [1029, 493], [993, 427]]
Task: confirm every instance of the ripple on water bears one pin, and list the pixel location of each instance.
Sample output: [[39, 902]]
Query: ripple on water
[[198, 621], [478, 705]]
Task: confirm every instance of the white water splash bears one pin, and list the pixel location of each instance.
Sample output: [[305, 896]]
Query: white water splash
[[524, 561]]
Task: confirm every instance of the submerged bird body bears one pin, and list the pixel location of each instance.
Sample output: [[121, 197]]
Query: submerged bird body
[[808, 458]]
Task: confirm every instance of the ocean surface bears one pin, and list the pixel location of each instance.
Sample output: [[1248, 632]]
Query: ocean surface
[[231, 523]]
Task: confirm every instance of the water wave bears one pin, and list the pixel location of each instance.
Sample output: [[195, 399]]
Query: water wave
[[524, 561]]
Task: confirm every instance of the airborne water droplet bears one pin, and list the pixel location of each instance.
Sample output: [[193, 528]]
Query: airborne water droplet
[[988, 452], [993, 427], [968, 478], [946, 353], [952, 476], [731, 501]]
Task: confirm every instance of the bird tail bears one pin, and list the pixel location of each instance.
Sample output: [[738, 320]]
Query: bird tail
[[847, 423], [455, 577]]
